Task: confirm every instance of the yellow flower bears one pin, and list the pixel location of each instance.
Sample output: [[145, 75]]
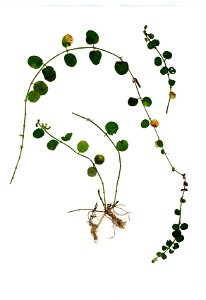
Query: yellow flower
[[154, 123], [172, 95]]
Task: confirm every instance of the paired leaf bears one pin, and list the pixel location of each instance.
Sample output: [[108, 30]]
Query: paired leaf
[[33, 96], [51, 145], [38, 133], [95, 56], [49, 73], [67, 137], [99, 159], [111, 128], [35, 62], [147, 101], [91, 171], [82, 146], [41, 87], [167, 54], [144, 123], [157, 61], [70, 60], [122, 145], [164, 70], [121, 67], [92, 37], [132, 101]]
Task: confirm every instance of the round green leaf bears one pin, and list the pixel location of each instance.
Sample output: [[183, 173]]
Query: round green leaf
[[144, 123], [159, 143], [164, 70], [176, 246], [41, 87], [111, 127], [182, 200], [171, 251], [91, 171], [172, 70], [171, 82], [82, 146], [150, 45], [164, 256], [49, 73], [177, 212], [67, 137], [184, 226], [147, 101], [162, 151], [38, 133], [99, 159], [167, 54], [175, 226], [164, 247], [180, 238], [33, 96], [95, 56], [132, 101], [51, 145], [122, 145], [158, 61], [70, 60], [176, 233], [151, 35], [67, 40], [92, 37], [159, 254], [121, 67], [35, 62], [156, 43]]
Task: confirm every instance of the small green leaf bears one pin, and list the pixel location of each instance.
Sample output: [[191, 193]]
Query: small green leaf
[[33, 96], [35, 62], [162, 151], [49, 73], [82, 146], [99, 159], [70, 60], [175, 226], [38, 133], [171, 82], [151, 35], [164, 70], [156, 43], [171, 251], [172, 70], [184, 226], [180, 238], [164, 248], [67, 137], [92, 37], [121, 67], [158, 61], [176, 233], [122, 145], [167, 54], [164, 256], [159, 254], [91, 171], [132, 101], [144, 123], [95, 57], [159, 143], [150, 45], [182, 200], [111, 128], [177, 212], [176, 246], [41, 87], [147, 101], [169, 243], [51, 145]]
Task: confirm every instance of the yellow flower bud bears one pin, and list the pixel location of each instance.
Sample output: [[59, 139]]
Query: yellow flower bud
[[154, 123], [172, 95]]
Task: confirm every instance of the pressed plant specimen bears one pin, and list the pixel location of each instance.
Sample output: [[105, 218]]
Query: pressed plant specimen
[[102, 209]]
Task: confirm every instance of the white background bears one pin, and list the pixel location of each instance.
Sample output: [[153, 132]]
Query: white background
[[45, 252]]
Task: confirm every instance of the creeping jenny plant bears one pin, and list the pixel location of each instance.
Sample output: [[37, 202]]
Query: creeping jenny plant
[[103, 209]]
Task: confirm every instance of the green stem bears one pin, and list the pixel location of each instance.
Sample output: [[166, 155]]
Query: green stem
[[119, 157], [53, 137]]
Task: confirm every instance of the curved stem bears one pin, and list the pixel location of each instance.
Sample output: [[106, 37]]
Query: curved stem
[[78, 153], [119, 157]]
